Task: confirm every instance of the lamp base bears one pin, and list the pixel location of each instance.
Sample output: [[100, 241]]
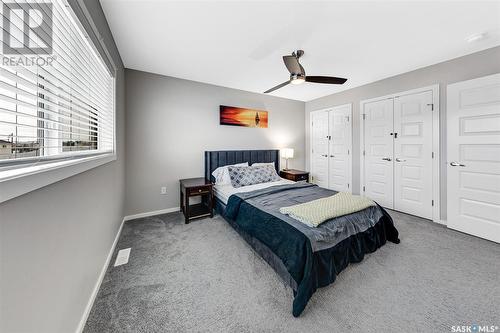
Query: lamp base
[[286, 166]]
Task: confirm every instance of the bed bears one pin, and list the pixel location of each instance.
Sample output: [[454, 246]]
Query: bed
[[305, 258]]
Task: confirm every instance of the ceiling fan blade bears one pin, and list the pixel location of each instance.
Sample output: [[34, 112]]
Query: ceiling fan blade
[[277, 87], [326, 79], [302, 71], [292, 64]]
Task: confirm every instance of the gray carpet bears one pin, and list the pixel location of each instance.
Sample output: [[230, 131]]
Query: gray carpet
[[203, 277]]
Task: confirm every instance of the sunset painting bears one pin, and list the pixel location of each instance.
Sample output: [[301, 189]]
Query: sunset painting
[[230, 115]]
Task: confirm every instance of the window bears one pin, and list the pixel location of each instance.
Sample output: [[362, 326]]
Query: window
[[53, 106]]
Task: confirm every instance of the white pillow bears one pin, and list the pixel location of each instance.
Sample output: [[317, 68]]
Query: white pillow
[[262, 164], [221, 174]]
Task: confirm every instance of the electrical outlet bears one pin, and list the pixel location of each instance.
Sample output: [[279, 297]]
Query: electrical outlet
[[163, 190]]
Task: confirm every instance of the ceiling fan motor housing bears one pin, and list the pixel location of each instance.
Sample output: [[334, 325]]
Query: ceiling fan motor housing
[[297, 77], [297, 54]]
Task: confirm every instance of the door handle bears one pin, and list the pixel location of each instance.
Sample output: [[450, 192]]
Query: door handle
[[332, 155], [399, 160], [457, 164], [387, 159], [324, 155]]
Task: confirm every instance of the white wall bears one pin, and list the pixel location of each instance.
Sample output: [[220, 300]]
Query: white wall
[[54, 241], [464, 68], [171, 122]]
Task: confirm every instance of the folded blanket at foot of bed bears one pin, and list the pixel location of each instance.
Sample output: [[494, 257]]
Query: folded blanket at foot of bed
[[315, 212]]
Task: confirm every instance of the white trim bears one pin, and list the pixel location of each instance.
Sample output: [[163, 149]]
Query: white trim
[[350, 143], [443, 222], [151, 213], [350, 137], [436, 186], [35, 177], [311, 141], [311, 138], [83, 321], [436, 139], [361, 148]]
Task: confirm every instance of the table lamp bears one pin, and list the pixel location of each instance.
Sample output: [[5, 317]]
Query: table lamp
[[287, 153]]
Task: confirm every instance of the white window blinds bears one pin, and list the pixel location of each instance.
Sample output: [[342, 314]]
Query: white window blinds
[[54, 105]]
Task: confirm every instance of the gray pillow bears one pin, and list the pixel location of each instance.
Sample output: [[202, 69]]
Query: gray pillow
[[244, 176]]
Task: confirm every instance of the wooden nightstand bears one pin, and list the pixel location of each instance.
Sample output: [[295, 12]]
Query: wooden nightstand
[[295, 175], [193, 187]]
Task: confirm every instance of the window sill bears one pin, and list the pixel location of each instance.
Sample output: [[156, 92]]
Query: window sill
[[14, 183]]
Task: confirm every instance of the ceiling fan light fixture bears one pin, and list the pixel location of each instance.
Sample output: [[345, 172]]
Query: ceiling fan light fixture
[[297, 79]]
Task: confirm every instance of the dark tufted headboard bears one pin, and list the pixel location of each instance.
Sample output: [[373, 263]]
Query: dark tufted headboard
[[215, 159]]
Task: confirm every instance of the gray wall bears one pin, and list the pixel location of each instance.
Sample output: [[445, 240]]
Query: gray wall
[[54, 241], [459, 69], [171, 122]]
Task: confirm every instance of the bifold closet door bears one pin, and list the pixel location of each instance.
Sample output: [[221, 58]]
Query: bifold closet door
[[473, 174], [379, 151], [413, 154], [319, 144], [340, 146]]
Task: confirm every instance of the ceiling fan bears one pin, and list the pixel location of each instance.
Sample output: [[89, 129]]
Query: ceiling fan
[[298, 74]]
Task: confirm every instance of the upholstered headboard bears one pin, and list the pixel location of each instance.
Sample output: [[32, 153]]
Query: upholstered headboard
[[215, 159]]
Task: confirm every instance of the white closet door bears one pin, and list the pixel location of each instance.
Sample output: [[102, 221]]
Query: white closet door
[[340, 148], [473, 177], [413, 154], [319, 170], [378, 147]]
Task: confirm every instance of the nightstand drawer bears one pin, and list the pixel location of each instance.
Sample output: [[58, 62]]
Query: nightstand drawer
[[299, 178], [198, 190]]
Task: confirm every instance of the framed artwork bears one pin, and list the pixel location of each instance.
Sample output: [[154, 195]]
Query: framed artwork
[[234, 116]]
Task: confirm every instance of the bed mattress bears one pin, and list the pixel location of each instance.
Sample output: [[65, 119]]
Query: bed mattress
[[223, 192]]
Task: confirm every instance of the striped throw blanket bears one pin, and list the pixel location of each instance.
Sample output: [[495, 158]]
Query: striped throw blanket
[[315, 212]]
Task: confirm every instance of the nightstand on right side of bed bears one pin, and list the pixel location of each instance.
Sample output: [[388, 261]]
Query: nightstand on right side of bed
[[295, 175]]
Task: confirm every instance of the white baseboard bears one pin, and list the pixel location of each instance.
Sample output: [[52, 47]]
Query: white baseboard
[[152, 213], [85, 316]]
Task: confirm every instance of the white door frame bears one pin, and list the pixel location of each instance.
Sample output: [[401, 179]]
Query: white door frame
[[436, 186], [350, 137]]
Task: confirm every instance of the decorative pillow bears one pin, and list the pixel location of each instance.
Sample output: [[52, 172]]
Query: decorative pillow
[[221, 174], [244, 176]]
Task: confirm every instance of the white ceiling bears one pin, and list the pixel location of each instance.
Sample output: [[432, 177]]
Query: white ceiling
[[240, 44]]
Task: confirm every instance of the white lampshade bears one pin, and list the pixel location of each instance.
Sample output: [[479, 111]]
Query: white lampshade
[[287, 153]]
